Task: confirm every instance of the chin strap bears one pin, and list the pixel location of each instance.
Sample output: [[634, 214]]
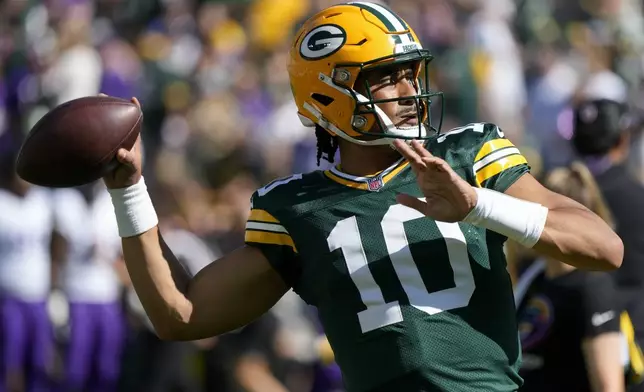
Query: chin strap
[[390, 128], [324, 123]]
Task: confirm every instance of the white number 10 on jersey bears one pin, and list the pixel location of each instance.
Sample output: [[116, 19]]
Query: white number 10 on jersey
[[346, 236]]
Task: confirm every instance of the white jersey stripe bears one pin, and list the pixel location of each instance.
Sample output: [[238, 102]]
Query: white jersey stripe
[[495, 156], [272, 227], [346, 176]]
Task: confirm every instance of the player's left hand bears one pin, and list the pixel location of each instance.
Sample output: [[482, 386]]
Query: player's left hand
[[448, 198]]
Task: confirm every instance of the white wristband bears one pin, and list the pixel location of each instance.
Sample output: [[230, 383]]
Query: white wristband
[[134, 210], [520, 220]]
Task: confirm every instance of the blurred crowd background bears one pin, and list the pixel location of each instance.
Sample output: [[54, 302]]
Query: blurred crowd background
[[220, 122]]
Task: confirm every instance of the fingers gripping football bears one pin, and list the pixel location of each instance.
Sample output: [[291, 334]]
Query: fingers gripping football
[[128, 171]]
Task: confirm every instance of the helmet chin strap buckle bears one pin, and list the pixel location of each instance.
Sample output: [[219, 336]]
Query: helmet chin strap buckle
[[341, 75], [359, 122]]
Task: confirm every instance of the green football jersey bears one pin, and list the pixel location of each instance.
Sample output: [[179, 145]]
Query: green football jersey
[[408, 303]]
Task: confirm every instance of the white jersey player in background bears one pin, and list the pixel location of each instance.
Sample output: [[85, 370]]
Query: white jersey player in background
[[88, 278], [26, 338]]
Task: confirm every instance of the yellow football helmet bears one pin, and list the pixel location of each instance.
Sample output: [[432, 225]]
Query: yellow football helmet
[[330, 51]]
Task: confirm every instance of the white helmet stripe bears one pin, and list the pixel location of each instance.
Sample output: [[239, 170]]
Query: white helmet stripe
[[327, 80]]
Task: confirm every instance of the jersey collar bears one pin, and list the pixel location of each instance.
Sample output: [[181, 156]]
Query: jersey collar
[[373, 182]]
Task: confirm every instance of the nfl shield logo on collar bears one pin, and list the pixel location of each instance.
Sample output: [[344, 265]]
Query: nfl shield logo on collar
[[375, 184]]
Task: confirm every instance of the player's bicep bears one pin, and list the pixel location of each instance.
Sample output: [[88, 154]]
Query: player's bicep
[[498, 163], [233, 291]]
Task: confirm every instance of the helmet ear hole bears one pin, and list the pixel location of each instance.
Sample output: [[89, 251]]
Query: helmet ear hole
[[323, 99]]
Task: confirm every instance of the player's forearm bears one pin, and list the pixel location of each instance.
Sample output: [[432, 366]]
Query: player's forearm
[[157, 276], [223, 296], [563, 229], [159, 280], [580, 238]]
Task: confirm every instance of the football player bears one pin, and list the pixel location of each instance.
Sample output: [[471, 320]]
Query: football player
[[27, 345], [88, 277], [400, 249], [573, 331]]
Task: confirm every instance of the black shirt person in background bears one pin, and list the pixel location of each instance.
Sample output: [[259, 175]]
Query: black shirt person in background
[[602, 134], [569, 319]]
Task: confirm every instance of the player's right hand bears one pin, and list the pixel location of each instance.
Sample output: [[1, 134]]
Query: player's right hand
[[128, 171]]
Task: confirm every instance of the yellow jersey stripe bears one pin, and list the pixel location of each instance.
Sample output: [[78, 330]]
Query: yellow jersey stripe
[[492, 146], [394, 172], [269, 238], [634, 351], [498, 166], [262, 216]]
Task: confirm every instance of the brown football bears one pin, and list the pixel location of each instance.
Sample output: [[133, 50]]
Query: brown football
[[76, 142]]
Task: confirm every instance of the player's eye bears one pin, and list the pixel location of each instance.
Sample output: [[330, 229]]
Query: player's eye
[[404, 74], [408, 73]]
